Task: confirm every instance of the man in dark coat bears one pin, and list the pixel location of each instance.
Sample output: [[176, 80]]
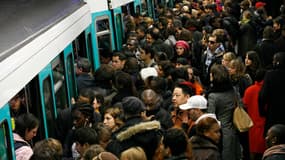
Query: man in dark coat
[[83, 75], [271, 96], [280, 42], [154, 109], [135, 131], [267, 48]]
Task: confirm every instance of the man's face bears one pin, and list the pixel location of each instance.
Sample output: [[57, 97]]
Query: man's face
[[149, 39], [117, 63], [212, 43], [143, 55], [178, 97], [270, 138], [193, 114]]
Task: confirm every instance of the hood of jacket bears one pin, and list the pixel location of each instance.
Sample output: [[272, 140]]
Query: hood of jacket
[[138, 128]]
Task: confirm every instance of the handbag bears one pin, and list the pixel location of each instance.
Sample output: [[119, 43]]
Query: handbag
[[241, 119]]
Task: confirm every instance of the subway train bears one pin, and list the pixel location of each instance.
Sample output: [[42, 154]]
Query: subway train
[[39, 44]]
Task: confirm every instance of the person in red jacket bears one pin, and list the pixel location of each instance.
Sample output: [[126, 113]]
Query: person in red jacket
[[250, 100]]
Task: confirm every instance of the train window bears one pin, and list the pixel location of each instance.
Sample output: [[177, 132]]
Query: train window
[[144, 7], [128, 9], [18, 104], [59, 82], [103, 33], [90, 49], [5, 141], [102, 24], [119, 27], [49, 109], [79, 48], [71, 78]]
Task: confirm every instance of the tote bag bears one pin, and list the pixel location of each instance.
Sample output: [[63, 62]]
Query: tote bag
[[241, 119]]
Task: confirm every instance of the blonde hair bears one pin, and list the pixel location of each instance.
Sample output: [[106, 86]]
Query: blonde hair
[[229, 56], [133, 153]]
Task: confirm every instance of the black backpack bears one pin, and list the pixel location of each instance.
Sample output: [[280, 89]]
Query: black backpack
[[19, 144]]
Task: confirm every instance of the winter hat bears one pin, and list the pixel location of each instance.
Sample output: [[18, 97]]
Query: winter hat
[[132, 105], [259, 4], [196, 101], [183, 44]]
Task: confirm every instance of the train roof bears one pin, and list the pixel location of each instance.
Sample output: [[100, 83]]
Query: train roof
[[23, 20], [33, 33]]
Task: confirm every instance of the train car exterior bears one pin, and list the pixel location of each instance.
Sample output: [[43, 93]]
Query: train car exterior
[[37, 56], [40, 44]]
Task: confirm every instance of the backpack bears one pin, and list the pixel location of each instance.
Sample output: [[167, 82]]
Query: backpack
[[19, 144]]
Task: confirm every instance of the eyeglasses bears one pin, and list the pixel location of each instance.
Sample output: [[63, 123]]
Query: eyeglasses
[[212, 42]]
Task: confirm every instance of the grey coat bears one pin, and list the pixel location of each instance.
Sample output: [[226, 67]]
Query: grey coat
[[222, 104]]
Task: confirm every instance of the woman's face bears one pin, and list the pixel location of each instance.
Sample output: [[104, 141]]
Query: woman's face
[[30, 134], [179, 50], [232, 69], [96, 105], [214, 133], [190, 73], [225, 61], [159, 71], [15, 103], [79, 120], [109, 120], [247, 61]]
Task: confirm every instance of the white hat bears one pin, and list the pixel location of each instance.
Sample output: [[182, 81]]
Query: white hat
[[207, 115], [196, 101], [147, 72]]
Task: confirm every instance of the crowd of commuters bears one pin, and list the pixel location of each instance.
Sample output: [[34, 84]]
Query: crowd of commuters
[[171, 92]]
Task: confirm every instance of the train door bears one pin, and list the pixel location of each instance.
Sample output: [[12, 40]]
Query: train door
[[82, 46], [90, 49], [48, 104], [6, 136], [118, 23], [102, 29], [66, 65]]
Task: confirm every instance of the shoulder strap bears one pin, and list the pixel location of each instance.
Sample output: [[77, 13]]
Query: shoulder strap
[[19, 144]]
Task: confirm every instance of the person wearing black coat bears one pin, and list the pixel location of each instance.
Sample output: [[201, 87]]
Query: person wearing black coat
[[135, 131], [205, 143], [271, 96], [154, 109]]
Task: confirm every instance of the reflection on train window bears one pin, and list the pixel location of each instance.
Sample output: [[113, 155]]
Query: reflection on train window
[[144, 7], [120, 31], [5, 141], [78, 45], [90, 49], [59, 82], [70, 76], [49, 109], [128, 9], [102, 25], [103, 33]]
